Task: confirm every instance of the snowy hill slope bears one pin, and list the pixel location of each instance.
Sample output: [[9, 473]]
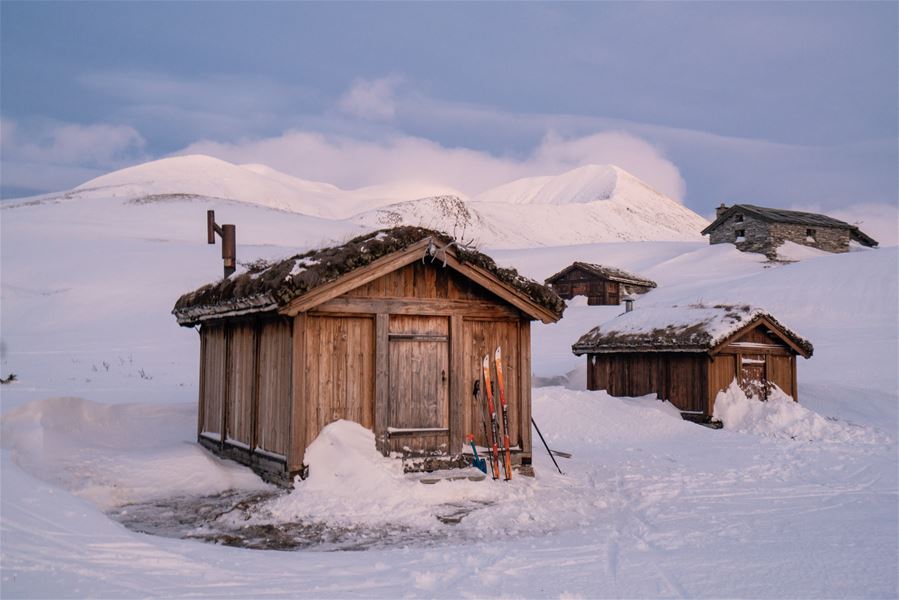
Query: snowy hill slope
[[172, 179], [104, 412], [589, 204]]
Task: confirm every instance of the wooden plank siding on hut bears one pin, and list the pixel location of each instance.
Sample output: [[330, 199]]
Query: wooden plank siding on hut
[[689, 354], [394, 345], [602, 285]]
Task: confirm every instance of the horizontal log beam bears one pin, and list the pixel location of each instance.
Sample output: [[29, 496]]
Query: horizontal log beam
[[416, 306]]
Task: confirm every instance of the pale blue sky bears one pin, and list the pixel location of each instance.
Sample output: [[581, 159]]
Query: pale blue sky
[[791, 104]]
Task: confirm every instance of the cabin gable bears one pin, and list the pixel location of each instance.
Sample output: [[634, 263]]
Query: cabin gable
[[394, 346], [689, 354]]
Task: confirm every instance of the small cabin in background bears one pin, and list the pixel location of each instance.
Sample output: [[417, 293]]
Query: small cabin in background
[[387, 330], [601, 285], [687, 354], [763, 230]]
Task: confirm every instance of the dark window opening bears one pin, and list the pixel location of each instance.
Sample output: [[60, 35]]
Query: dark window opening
[[810, 235], [741, 233], [739, 218]]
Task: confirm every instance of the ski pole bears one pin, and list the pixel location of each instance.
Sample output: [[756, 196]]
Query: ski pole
[[545, 445]]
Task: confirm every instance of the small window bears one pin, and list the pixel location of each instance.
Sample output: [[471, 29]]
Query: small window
[[739, 218], [810, 235], [741, 234]]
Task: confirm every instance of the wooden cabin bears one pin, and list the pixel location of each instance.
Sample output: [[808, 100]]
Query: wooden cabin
[[387, 330], [763, 230], [688, 354], [601, 285]]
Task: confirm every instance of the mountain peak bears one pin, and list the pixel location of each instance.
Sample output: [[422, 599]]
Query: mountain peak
[[581, 185]]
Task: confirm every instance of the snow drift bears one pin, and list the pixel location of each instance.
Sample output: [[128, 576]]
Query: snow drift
[[781, 417]]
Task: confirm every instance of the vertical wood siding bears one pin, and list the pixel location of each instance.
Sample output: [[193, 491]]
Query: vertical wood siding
[[214, 366], [242, 383], [339, 378], [722, 371], [423, 281], [482, 337], [274, 386], [677, 377]]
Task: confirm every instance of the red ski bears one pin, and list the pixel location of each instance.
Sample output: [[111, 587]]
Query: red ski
[[498, 358], [488, 388]]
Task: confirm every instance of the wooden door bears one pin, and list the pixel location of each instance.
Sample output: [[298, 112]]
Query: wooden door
[[418, 389], [754, 376], [339, 383]]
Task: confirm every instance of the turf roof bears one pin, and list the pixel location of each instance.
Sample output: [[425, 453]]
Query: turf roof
[[268, 286]]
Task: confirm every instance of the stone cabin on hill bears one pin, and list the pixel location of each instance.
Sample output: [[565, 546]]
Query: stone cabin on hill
[[762, 230], [601, 285]]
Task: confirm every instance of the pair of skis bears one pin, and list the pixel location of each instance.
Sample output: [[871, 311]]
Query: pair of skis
[[494, 424]]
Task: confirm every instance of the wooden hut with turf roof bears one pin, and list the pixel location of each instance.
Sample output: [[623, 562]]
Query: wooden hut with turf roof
[[687, 354], [601, 284], [386, 330]]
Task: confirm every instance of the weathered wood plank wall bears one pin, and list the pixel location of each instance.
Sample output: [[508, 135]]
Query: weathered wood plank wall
[[274, 387], [214, 366], [241, 385], [339, 373], [677, 377], [481, 337]]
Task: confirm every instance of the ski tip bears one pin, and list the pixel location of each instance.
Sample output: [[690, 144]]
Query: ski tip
[[486, 360], [499, 353]]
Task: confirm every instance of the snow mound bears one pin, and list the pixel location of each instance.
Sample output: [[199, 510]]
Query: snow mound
[[117, 454], [791, 251], [782, 417], [351, 484]]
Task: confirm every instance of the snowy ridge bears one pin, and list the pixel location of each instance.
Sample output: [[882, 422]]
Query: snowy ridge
[[593, 203], [589, 183], [207, 177]]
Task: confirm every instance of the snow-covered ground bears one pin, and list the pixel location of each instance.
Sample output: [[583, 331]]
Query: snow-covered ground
[[787, 501]]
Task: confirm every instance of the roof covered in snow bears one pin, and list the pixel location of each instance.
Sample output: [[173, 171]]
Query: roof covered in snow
[[795, 217], [604, 272], [267, 286], [691, 328]]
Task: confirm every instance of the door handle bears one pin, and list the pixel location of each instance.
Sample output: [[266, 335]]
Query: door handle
[[443, 375]]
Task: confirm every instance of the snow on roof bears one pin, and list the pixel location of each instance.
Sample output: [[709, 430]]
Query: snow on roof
[[779, 215], [691, 328], [605, 272], [267, 286]]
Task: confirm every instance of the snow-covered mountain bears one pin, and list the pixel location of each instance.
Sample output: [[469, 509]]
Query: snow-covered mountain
[[594, 203], [588, 183], [170, 179]]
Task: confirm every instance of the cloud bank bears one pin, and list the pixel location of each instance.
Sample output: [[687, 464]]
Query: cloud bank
[[351, 162]]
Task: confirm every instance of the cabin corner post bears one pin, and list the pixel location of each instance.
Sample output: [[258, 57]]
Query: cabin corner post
[[296, 448], [201, 406], [459, 405], [382, 374], [226, 390], [524, 374], [794, 377]]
